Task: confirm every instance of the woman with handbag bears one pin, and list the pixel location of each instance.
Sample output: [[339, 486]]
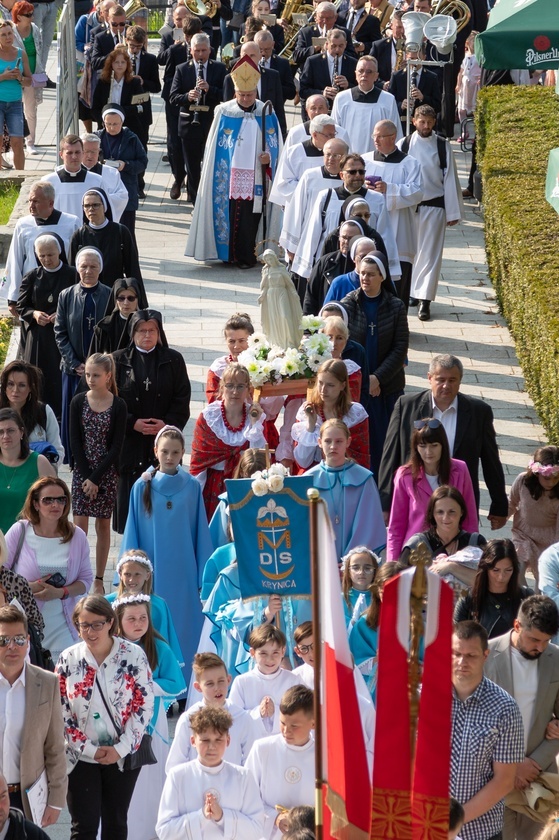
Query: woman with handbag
[[134, 620], [107, 701], [53, 557], [15, 586], [28, 36]]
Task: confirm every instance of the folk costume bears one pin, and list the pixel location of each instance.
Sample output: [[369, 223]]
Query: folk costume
[[153, 385], [176, 538], [359, 111], [227, 219], [307, 452]]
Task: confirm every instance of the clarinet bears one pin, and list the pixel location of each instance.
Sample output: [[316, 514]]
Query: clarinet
[[199, 78], [336, 69]]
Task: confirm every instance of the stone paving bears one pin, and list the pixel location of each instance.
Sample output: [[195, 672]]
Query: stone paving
[[196, 299]]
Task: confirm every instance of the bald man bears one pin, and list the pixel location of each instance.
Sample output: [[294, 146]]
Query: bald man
[[269, 86], [315, 104], [269, 60], [301, 157]]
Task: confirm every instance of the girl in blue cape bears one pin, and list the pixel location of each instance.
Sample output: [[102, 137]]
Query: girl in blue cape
[[135, 625], [166, 519], [359, 567], [349, 490]]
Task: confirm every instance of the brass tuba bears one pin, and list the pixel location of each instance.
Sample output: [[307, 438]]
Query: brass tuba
[[456, 9], [201, 7], [294, 7], [133, 7]]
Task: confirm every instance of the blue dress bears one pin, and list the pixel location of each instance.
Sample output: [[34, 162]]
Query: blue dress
[[219, 522], [177, 540], [353, 505], [363, 644], [360, 601], [220, 559]]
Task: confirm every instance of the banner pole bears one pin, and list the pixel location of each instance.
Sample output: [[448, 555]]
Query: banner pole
[[314, 499]]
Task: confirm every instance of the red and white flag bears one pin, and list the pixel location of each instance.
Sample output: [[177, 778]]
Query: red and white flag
[[347, 789]]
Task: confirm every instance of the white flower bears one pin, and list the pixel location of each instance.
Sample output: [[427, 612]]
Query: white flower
[[246, 357], [275, 352], [278, 469], [259, 487], [258, 474], [275, 483], [312, 323], [314, 361], [258, 340], [313, 343], [289, 368]]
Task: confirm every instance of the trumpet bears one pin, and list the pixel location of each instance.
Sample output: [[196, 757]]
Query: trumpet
[[202, 7]]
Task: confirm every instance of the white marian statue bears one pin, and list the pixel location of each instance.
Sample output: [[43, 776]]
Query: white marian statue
[[280, 306]]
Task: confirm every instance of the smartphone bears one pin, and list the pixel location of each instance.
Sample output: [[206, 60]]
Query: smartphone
[[178, 34], [56, 580], [373, 179]]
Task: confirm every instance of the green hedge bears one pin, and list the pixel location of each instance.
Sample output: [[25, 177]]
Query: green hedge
[[516, 128]]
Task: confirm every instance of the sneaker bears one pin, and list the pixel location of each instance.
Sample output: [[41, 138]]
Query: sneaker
[[50, 85], [31, 149]]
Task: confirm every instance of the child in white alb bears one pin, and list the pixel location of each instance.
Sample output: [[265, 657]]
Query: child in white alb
[[260, 690], [283, 765], [209, 798], [213, 681]]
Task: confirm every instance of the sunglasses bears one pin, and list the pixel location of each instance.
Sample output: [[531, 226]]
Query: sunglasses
[[53, 500], [432, 424], [26, 14], [129, 298], [20, 641], [354, 171], [114, 23]]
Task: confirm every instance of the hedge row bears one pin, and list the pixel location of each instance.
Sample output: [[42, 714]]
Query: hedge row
[[516, 128]]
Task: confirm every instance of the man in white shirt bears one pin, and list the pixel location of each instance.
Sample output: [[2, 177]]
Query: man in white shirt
[[525, 664], [31, 724], [72, 180]]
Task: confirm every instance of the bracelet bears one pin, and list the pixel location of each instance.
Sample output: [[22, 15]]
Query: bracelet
[[98, 577], [66, 593]]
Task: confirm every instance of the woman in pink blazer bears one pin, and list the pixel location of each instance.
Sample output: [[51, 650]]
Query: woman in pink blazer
[[430, 465]]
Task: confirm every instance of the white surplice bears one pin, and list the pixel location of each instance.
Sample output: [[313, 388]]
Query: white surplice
[[242, 735], [297, 210], [360, 117], [248, 690]]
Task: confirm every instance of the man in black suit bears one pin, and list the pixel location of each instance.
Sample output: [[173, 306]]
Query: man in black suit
[[326, 17], [468, 423], [386, 50], [270, 61], [363, 28], [197, 82], [105, 42], [424, 90], [330, 72], [144, 67], [269, 86]]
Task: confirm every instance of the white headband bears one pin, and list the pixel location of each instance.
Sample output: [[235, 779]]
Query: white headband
[[134, 558], [168, 429], [131, 599]]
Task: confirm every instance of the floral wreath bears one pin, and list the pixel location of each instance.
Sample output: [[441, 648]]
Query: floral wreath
[[545, 470], [134, 558], [126, 600]]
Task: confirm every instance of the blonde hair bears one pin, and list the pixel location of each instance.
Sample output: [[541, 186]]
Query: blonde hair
[[232, 371], [334, 322], [107, 363], [147, 585], [337, 369]]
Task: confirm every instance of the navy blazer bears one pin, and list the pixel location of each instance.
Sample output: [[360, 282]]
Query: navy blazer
[[103, 44], [283, 67], [185, 80], [368, 30], [382, 51], [428, 85], [316, 75], [303, 45]]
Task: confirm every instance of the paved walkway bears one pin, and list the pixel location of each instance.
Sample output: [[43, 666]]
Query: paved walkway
[[196, 299]]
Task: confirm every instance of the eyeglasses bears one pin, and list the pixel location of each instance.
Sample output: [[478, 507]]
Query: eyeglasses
[[53, 500], [354, 171], [306, 648], [430, 423], [92, 206], [26, 14], [366, 569], [114, 23], [237, 388], [6, 641], [85, 627], [129, 298]]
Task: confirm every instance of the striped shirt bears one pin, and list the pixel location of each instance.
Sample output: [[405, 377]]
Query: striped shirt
[[486, 728]]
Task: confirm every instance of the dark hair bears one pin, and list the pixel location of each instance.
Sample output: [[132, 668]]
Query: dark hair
[[210, 717], [351, 156], [71, 140], [204, 661], [540, 613], [494, 551], [302, 631], [546, 455], [301, 816], [33, 413], [192, 26], [300, 834], [11, 615], [147, 642], [173, 434], [298, 698], [429, 435], [7, 414], [136, 33], [444, 492], [265, 633], [31, 510], [384, 574], [456, 814], [239, 321], [466, 630], [107, 70], [98, 605], [252, 26], [425, 111]]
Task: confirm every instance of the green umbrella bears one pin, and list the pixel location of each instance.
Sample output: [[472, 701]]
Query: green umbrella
[[521, 34]]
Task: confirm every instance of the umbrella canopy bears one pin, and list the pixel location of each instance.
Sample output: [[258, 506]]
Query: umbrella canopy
[[521, 34]]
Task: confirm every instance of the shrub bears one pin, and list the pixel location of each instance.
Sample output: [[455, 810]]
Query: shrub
[[516, 128]]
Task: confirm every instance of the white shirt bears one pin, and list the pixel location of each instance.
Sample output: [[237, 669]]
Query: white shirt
[[525, 687], [448, 419], [248, 690], [12, 720], [242, 734]]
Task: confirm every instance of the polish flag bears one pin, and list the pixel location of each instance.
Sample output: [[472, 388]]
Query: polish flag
[[347, 788]]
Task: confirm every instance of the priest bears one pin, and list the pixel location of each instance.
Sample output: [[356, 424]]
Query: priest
[[360, 108], [72, 179], [228, 216], [300, 157]]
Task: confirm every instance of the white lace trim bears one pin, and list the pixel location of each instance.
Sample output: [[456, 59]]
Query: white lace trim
[[355, 415], [219, 365], [351, 366], [254, 434]]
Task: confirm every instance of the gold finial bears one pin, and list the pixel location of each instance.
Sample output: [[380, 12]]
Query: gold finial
[[313, 495]]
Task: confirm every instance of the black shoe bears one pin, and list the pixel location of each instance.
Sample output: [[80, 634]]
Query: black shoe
[[165, 158], [142, 193], [50, 85], [424, 311], [175, 190], [413, 302]]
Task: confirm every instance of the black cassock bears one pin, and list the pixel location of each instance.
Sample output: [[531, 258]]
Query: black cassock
[[40, 290], [153, 385]]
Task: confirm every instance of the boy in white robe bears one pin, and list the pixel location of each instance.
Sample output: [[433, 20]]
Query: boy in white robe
[[260, 690], [213, 681], [283, 765], [208, 798]]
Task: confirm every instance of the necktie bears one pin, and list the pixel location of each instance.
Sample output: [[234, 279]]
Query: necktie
[[351, 21]]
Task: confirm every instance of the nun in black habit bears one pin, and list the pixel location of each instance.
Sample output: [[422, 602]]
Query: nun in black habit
[[153, 381], [120, 254], [113, 331], [36, 306]]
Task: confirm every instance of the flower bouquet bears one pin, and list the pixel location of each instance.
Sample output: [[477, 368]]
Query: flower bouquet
[[274, 371]]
